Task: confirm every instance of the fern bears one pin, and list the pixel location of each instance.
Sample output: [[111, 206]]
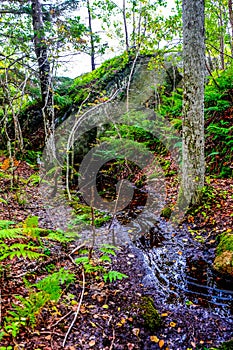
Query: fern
[[62, 236], [113, 276], [51, 284], [18, 250], [10, 233], [27, 311], [5, 224]]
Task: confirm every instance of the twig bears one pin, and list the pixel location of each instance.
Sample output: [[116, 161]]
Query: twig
[[113, 338], [62, 318], [77, 312], [77, 248]]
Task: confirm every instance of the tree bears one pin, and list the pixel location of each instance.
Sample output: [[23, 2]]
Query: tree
[[41, 50], [230, 8], [193, 162], [33, 37]]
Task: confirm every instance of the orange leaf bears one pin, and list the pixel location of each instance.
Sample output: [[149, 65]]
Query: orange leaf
[[161, 343], [172, 324], [92, 343], [154, 339]]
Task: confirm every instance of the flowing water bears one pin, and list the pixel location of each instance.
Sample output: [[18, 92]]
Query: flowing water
[[179, 269]]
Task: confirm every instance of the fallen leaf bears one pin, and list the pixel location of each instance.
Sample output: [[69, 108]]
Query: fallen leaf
[[48, 337], [172, 324], [154, 339], [161, 343], [164, 314], [121, 323], [136, 331], [92, 343]]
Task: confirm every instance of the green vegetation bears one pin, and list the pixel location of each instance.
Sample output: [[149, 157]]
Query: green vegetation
[[27, 241], [223, 261], [150, 314]]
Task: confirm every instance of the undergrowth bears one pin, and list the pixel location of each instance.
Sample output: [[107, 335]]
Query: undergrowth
[[26, 241]]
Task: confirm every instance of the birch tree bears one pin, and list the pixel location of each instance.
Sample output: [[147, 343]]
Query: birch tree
[[193, 164]]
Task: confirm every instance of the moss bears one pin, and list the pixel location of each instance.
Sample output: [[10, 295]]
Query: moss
[[149, 313], [227, 345], [225, 243], [223, 262], [166, 212], [93, 82]]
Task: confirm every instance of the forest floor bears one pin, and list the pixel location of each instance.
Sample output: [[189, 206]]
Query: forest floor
[[110, 314]]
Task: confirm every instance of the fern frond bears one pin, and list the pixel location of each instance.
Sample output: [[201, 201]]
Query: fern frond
[[5, 224], [113, 276], [10, 233], [19, 250], [59, 236], [51, 284]]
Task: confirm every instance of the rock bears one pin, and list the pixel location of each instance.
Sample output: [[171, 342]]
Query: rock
[[152, 319], [223, 262], [227, 345]]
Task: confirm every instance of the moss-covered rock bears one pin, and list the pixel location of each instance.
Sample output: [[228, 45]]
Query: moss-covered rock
[[166, 212], [227, 345], [223, 262], [152, 319]]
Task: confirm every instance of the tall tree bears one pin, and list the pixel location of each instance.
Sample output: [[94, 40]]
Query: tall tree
[[193, 162], [92, 38], [41, 50], [230, 9]]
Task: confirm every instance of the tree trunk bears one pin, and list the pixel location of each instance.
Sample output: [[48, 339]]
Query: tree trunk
[[125, 26], [193, 164], [230, 8], [221, 39], [91, 36], [41, 51]]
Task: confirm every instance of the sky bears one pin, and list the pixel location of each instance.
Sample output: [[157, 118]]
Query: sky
[[75, 65]]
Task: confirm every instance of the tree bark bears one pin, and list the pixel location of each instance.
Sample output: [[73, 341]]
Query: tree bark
[[230, 8], [91, 36], [41, 50], [125, 26], [221, 39], [193, 162]]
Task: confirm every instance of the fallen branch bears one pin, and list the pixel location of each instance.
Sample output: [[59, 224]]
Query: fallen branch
[[77, 312]]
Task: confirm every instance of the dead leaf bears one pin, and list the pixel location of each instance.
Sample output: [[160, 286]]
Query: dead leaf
[[122, 322], [136, 331], [154, 339], [92, 343], [48, 337], [161, 343]]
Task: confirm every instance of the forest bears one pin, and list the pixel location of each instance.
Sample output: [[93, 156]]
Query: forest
[[116, 164]]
